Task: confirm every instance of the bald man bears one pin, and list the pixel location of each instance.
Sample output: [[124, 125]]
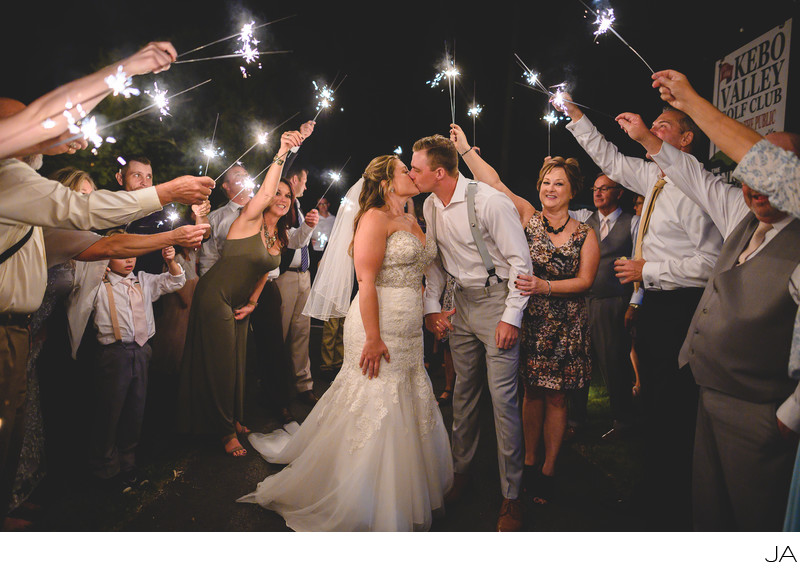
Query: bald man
[[29, 202], [738, 346]]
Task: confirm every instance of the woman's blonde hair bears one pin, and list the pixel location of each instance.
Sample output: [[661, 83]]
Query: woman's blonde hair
[[571, 168], [72, 178], [378, 178]]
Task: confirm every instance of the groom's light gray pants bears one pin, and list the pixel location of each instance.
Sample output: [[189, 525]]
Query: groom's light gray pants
[[478, 310]]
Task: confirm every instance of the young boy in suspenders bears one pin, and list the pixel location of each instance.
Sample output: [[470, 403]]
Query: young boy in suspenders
[[123, 319]]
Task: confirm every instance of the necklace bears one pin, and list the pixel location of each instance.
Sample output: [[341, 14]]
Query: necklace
[[270, 239], [550, 228]]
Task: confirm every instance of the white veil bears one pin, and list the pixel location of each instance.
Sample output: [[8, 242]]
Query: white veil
[[333, 285]]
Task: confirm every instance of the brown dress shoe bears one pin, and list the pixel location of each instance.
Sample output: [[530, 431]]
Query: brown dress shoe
[[460, 481], [510, 519]]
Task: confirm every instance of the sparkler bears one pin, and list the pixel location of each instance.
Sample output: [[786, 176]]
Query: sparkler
[[398, 151], [604, 22], [260, 139], [451, 73], [473, 112], [211, 152], [335, 177], [324, 96], [551, 118], [249, 27], [232, 55]]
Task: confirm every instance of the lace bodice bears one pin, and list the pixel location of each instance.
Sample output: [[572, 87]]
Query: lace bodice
[[404, 260]]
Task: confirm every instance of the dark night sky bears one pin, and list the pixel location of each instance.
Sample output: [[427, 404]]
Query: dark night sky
[[388, 52]]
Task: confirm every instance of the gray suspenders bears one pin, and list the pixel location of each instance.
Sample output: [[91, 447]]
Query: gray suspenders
[[472, 188]]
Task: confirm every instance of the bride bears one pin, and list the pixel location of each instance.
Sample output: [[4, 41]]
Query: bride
[[373, 454]]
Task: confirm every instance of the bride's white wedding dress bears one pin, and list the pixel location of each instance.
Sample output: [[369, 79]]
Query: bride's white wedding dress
[[373, 454]]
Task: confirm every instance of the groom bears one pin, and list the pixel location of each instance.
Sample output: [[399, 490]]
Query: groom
[[488, 311]]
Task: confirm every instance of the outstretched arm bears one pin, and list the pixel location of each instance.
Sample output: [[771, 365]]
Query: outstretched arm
[[134, 245], [484, 172], [732, 137], [252, 212], [21, 131]]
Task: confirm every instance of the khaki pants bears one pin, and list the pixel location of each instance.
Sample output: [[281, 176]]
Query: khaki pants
[[332, 349], [14, 349], [295, 288]]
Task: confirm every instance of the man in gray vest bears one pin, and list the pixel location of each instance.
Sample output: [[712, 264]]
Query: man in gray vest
[[738, 348], [607, 301]]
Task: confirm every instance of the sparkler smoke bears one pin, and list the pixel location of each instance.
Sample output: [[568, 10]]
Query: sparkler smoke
[[604, 22], [335, 177], [121, 83]]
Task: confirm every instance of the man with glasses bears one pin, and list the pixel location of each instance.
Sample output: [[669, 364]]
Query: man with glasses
[[607, 301]]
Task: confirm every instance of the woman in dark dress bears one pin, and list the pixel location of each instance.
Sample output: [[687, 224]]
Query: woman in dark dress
[[554, 341], [212, 377]]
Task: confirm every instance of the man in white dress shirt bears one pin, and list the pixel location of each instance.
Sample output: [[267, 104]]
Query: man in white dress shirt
[[748, 418], [488, 311], [677, 247]]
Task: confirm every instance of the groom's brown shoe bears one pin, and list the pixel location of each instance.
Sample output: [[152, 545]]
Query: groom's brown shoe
[[460, 481], [510, 519]]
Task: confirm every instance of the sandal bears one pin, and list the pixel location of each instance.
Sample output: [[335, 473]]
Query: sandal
[[233, 447], [446, 398], [241, 430]]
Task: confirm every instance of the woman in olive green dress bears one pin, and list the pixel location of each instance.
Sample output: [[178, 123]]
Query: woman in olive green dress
[[212, 374]]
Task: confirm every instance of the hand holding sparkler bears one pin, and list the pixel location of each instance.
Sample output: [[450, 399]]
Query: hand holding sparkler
[[675, 89], [155, 57], [562, 102], [190, 235], [634, 126], [185, 189], [459, 139], [311, 218], [307, 128]]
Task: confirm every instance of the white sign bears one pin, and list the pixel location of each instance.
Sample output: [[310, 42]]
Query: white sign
[[750, 83]]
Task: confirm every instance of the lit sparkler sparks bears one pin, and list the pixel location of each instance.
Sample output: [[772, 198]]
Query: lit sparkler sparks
[[558, 97], [260, 139], [160, 100], [335, 177], [451, 73], [398, 151], [121, 83], [324, 96], [605, 21], [475, 111]]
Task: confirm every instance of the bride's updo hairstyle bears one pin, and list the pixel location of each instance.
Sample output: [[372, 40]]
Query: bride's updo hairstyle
[[378, 178], [571, 168]]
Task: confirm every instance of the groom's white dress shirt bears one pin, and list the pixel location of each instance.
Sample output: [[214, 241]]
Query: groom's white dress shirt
[[504, 237]]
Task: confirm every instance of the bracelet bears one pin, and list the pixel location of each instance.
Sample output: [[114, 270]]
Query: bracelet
[[549, 288], [633, 306], [278, 160], [253, 303], [466, 151]]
